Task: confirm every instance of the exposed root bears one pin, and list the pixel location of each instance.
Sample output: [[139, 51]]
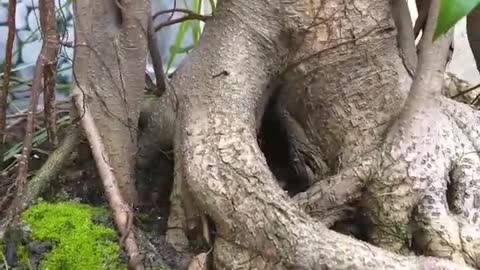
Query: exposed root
[[227, 255], [177, 222], [321, 199], [424, 189]]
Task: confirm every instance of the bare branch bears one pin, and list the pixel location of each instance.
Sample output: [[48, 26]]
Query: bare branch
[[156, 59], [47, 55], [12, 7], [50, 73], [190, 16], [182, 10]]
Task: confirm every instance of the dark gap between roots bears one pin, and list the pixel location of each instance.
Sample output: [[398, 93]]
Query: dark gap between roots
[[274, 142], [154, 185]]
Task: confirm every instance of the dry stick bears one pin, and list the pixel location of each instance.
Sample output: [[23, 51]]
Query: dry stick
[[51, 167], [156, 58], [12, 7], [423, 7], [122, 212], [192, 16], [48, 172], [182, 10], [464, 92]]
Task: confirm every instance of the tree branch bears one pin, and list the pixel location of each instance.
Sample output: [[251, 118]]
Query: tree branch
[[190, 16], [50, 34], [12, 7], [182, 10], [47, 55], [156, 59]]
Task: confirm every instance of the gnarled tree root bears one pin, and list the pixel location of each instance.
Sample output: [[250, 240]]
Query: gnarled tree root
[[223, 167]]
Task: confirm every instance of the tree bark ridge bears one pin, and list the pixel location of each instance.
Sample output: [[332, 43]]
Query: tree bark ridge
[[223, 167]]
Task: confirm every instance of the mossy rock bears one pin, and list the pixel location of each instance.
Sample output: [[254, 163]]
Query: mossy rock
[[78, 243]]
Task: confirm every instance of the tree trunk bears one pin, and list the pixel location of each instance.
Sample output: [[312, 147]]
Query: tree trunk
[[110, 68], [345, 83], [359, 130]]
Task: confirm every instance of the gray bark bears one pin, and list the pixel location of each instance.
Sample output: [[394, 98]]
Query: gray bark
[[110, 68], [221, 103], [358, 131]]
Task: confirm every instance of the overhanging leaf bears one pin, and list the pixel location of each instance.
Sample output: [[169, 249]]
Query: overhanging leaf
[[451, 11]]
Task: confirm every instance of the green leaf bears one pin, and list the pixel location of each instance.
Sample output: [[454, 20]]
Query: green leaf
[[451, 11]]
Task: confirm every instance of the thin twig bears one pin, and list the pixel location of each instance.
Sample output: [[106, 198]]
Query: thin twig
[[12, 7], [173, 10], [156, 58], [122, 212], [190, 16], [462, 93]]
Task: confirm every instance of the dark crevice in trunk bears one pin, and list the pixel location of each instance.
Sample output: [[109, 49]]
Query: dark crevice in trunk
[[154, 184], [274, 142], [355, 224]]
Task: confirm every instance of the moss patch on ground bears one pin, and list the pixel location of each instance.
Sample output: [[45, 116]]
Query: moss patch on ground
[[78, 242]]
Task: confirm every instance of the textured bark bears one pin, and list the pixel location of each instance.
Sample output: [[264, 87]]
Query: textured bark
[[110, 60], [353, 87], [51, 168], [420, 155], [221, 104], [354, 135]]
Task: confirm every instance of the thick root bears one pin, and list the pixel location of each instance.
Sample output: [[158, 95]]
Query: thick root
[[425, 194]]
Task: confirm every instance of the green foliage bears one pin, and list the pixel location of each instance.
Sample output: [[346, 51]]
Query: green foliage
[[451, 11], [24, 257], [192, 26], [78, 243]]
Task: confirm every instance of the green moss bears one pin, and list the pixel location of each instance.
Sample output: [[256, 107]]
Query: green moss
[[78, 242], [24, 257]]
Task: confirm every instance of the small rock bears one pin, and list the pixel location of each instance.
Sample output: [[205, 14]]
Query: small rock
[[39, 247], [34, 19], [31, 3], [30, 51], [3, 14], [102, 220], [21, 16]]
